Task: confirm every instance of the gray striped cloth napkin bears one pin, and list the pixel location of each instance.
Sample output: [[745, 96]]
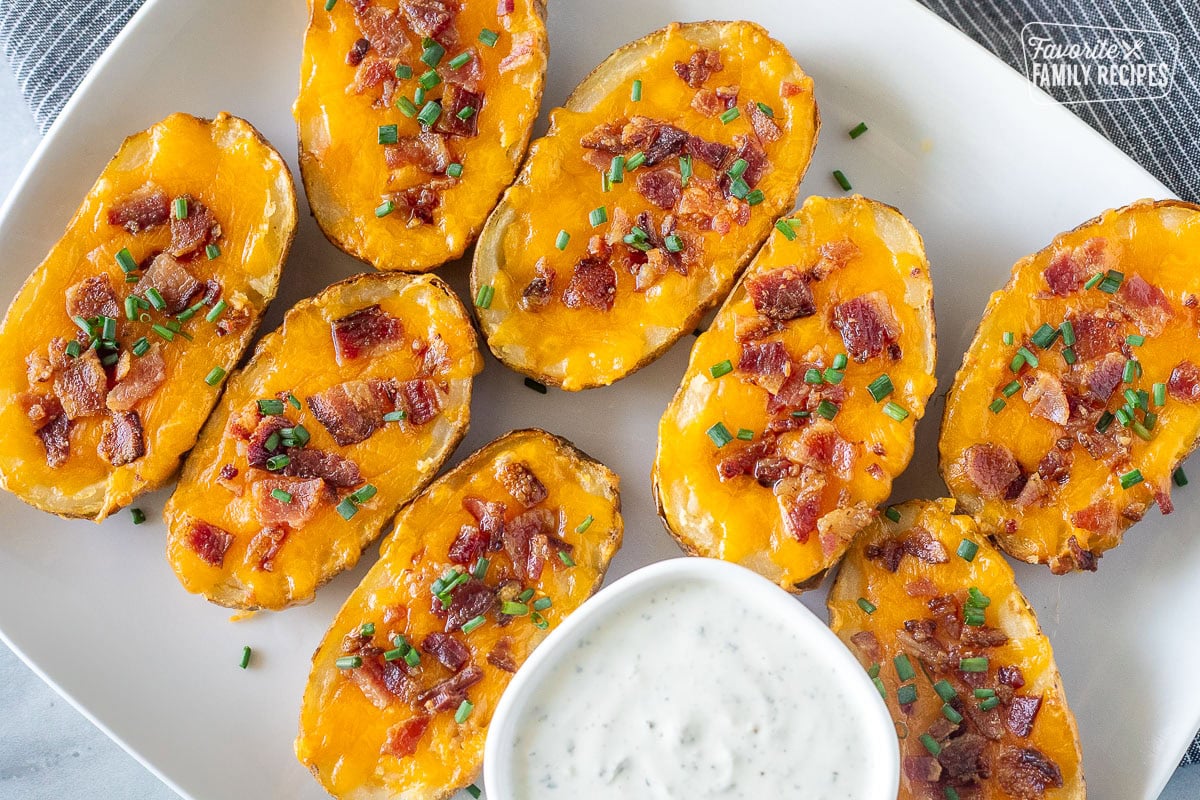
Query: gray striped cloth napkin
[[50, 44]]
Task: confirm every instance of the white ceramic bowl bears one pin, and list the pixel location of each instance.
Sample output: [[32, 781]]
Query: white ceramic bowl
[[877, 736]]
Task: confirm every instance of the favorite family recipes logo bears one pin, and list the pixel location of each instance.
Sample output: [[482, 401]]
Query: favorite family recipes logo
[[1090, 64]]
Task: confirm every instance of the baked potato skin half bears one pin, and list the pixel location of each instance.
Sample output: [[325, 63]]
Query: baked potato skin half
[[223, 167], [349, 174], [349, 741], [787, 500], [544, 314], [267, 555], [1033, 450], [911, 573]]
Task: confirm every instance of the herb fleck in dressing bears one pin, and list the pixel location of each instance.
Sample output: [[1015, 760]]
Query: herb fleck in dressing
[[683, 694]]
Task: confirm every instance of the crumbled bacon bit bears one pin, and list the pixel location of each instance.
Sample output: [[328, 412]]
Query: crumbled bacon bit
[[353, 410], [376, 73], [420, 202], [307, 496], [702, 64], [1079, 558], [429, 17], [922, 769], [146, 208], [750, 327], [593, 284], [1046, 397], [833, 256], [536, 293], [1104, 376], [468, 601], [766, 364], [708, 103], [518, 479], [121, 439], [525, 541], [426, 151], [451, 692], [1184, 383], [470, 544], [743, 460], [358, 52], [714, 154], [55, 434], [800, 501], [93, 297], [523, 49], [385, 29], [455, 98], [365, 332], [421, 400], [257, 451], [922, 545], [403, 737], [208, 541], [173, 280], [1146, 304], [137, 378], [605, 137], [867, 644], [921, 587], [335, 470], [1025, 773], [452, 653], [264, 547], [765, 128], [1096, 337], [888, 554], [501, 655], [1022, 711], [992, 468], [789, 89], [661, 187], [963, 758], [192, 233], [1010, 676], [781, 294], [868, 326], [490, 517], [81, 385]]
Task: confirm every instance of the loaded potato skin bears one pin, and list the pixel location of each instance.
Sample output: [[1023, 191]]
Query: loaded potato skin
[[479, 568], [656, 183], [413, 116], [1080, 393], [341, 416], [800, 401], [932, 611], [116, 347]]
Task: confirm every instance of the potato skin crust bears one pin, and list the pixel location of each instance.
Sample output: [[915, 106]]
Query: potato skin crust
[[734, 517], [181, 155], [583, 348], [399, 460], [449, 756], [1069, 518], [903, 595]]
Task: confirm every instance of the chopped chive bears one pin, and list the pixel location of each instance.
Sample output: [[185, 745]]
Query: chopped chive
[[1135, 339], [1068, 355], [1008, 338], [635, 161], [605, 183], [828, 410], [1044, 336], [271, 407], [1068, 333], [983, 694], [542, 604], [537, 386], [635, 92], [489, 37], [131, 307], [906, 694], [419, 96], [813, 376], [1092, 281], [997, 405], [1141, 430], [403, 72], [766, 109], [110, 359], [1018, 361], [406, 106], [214, 376], [565, 558], [873, 670], [132, 278], [1131, 478], [460, 60], [949, 713], [840, 361], [74, 348], [904, 668], [1132, 398], [977, 664], [1030, 358], [216, 311], [279, 494], [739, 188], [363, 493], [430, 113], [514, 609], [473, 623], [730, 115], [721, 368], [931, 744], [1179, 477], [278, 462], [1102, 424], [1010, 389], [616, 170], [989, 704], [801, 414], [329, 4], [788, 232], [1111, 282], [1125, 415], [156, 299], [483, 298], [125, 260], [465, 113], [562, 239], [349, 662], [1129, 373], [539, 621], [745, 434], [951, 793], [412, 657], [598, 216], [395, 416], [840, 177], [138, 515], [387, 134], [720, 434], [1149, 420], [945, 691], [673, 243], [525, 596], [879, 687], [880, 388], [164, 332], [967, 550], [587, 523], [139, 347], [398, 653], [1160, 393], [755, 197], [858, 130], [866, 605], [737, 168], [480, 569], [385, 208], [685, 169], [179, 208], [833, 376], [892, 513], [432, 53], [245, 659], [896, 411], [347, 509]]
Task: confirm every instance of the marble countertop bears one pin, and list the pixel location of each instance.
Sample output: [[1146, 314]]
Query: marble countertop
[[48, 750]]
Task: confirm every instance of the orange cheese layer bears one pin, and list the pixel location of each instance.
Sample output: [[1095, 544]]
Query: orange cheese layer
[[343, 165], [586, 346], [398, 460], [1053, 733], [226, 165], [737, 519], [1159, 245], [341, 731]]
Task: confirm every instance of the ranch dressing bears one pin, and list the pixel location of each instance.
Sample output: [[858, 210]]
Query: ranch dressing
[[685, 693]]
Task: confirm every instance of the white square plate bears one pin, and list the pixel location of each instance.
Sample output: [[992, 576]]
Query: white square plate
[[987, 170]]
